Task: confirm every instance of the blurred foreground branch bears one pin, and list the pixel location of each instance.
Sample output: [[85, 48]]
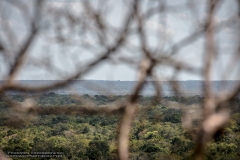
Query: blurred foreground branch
[[79, 37]]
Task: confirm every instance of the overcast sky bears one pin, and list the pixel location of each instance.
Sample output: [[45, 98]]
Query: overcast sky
[[172, 27]]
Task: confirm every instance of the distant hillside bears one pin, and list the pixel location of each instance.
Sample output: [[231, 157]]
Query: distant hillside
[[100, 87]]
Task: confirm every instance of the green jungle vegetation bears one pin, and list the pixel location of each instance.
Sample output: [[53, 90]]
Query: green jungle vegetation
[[157, 132]]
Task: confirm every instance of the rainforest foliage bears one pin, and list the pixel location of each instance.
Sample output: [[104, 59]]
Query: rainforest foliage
[[157, 132]]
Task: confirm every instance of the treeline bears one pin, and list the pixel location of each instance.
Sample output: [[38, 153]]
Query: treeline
[[157, 132]]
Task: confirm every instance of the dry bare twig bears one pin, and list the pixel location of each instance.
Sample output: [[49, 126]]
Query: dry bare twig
[[93, 21]]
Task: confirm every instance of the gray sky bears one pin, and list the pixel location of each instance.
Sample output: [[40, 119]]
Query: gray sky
[[163, 32]]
